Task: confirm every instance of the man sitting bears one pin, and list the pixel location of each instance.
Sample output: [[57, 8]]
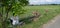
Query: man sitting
[[14, 19]]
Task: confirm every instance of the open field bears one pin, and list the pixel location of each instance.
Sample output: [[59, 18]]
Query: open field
[[53, 10]]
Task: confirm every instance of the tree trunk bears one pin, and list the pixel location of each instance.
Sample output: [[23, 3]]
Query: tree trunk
[[4, 20]]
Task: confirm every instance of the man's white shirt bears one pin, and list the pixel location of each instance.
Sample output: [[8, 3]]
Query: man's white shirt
[[15, 20]]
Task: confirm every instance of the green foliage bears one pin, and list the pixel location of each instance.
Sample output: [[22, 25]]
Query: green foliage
[[13, 6]]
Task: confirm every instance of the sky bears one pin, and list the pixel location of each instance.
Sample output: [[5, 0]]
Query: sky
[[44, 1]]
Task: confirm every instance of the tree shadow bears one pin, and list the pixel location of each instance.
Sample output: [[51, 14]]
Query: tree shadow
[[28, 19]]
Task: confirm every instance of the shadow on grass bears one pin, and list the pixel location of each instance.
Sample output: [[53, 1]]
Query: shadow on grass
[[28, 19]]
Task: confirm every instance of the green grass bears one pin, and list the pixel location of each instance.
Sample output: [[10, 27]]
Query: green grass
[[53, 10]]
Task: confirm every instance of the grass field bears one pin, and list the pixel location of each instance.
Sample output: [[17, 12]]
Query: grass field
[[53, 10]]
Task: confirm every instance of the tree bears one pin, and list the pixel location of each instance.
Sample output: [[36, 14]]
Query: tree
[[13, 6]]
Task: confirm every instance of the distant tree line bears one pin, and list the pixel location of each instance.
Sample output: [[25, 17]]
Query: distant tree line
[[42, 4]]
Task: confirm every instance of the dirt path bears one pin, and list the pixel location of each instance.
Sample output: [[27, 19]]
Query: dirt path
[[55, 23]]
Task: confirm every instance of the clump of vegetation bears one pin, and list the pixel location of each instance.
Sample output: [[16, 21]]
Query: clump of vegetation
[[36, 14]]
